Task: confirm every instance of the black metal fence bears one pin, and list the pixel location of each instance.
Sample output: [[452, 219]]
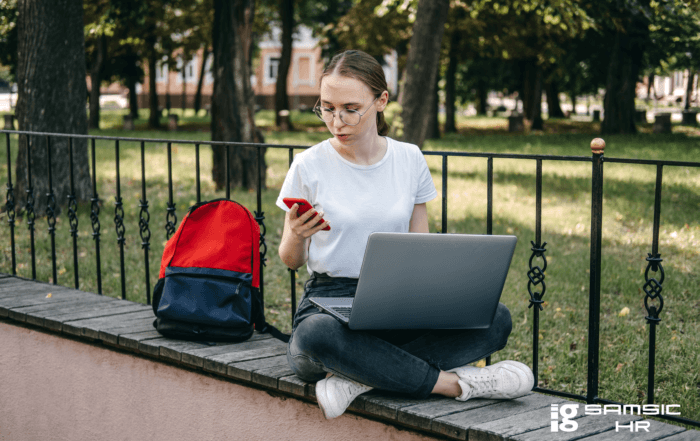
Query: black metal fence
[[536, 286]]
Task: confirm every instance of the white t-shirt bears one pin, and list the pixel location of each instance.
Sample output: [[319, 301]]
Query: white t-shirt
[[356, 199]]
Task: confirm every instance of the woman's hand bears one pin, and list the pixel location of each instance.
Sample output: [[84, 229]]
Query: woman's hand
[[304, 226], [296, 237]]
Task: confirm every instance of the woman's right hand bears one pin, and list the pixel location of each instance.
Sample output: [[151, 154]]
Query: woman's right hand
[[304, 226], [296, 237]]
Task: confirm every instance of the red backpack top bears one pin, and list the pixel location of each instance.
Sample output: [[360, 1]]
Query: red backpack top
[[219, 234]]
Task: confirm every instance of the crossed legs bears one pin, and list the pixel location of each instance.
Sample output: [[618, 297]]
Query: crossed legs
[[409, 362]]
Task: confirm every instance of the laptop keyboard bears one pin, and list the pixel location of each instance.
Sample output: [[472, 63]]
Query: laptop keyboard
[[344, 311]]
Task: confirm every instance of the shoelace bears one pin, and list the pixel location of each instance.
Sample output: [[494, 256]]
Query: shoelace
[[482, 384], [351, 388]]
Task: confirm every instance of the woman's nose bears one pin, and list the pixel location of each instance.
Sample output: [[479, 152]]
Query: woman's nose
[[337, 122]]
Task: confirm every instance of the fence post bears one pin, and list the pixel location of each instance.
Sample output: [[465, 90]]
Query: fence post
[[29, 207], [260, 219], [292, 273], [144, 219], [10, 205], [444, 194], [170, 216], [597, 147], [119, 221], [95, 219], [536, 274], [73, 216], [653, 286], [51, 212]]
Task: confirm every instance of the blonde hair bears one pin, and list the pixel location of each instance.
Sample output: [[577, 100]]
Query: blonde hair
[[363, 67]]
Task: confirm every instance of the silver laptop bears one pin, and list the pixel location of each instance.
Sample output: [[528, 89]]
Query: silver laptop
[[426, 281]]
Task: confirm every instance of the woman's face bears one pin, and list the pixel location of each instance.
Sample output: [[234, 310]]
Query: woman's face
[[339, 92]]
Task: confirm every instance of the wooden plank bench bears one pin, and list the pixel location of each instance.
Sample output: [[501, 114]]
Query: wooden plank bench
[[261, 363]]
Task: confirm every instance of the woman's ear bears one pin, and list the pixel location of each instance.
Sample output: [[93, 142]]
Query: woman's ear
[[383, 101]]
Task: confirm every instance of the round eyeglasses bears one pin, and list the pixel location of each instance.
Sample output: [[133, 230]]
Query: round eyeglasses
[[349, 117]]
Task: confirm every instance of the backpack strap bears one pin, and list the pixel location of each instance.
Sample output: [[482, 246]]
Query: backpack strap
[[279, 335], [260, 324]]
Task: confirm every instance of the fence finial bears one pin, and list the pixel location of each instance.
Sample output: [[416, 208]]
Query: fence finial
[[598, 145]]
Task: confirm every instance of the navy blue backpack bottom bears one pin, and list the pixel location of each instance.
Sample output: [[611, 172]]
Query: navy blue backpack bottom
[[194, 332], [203, 333]]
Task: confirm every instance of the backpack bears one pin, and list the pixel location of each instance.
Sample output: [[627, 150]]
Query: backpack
[[208, 285]]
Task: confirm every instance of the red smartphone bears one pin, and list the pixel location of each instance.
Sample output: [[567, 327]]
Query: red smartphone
[[304, 206]]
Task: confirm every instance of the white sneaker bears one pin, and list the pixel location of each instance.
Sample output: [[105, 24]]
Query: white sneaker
[[503, 380], [334, 395]]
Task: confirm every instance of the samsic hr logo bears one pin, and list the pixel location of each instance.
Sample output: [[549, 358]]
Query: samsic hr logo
[[569, 411]]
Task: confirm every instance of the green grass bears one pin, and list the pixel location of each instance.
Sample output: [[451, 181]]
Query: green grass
[[563, 338]]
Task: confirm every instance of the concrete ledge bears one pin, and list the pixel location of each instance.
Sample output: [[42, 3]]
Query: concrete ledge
[[47, 371]]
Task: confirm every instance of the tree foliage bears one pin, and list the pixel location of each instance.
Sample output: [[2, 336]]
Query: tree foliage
[[8, 40], [321, 16]]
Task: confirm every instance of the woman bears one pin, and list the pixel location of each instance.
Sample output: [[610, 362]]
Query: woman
[[361, 181]]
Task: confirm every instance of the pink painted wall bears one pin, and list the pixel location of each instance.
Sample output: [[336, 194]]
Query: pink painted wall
[[53, 388]]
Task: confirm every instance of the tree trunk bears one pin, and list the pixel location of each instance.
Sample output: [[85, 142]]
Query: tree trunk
[[689, 89], [154, 117], [401, 86], [96, 80], [281, 94], [481, 98], [51, 100], [450, 94], [423, 58], [232, 101], [572, 96], [625, 62], [168, 103], [553, 103], [433, 131], [200, 81], [650, 87], [184, 88], [532, 94], [133, 97]]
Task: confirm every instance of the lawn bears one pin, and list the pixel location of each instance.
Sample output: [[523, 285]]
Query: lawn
[[627, 236]]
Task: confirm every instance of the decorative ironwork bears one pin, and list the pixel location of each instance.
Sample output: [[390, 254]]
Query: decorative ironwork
[[29, 208], [10, 205], [72, 216], [170, 220], [653, 287], [119, 219], [536, 275], [260, 217], [51, 212], [95, 217], [144, 231]]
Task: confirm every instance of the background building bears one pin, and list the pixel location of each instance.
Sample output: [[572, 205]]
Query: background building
[[302, 83]]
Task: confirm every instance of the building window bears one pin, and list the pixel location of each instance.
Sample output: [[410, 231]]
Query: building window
[[190, 75], [208, 76], [162, 72], [677, 79], [271, 67], [304, 70]]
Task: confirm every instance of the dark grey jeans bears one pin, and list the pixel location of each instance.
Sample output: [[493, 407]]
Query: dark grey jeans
[[403, 361]]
